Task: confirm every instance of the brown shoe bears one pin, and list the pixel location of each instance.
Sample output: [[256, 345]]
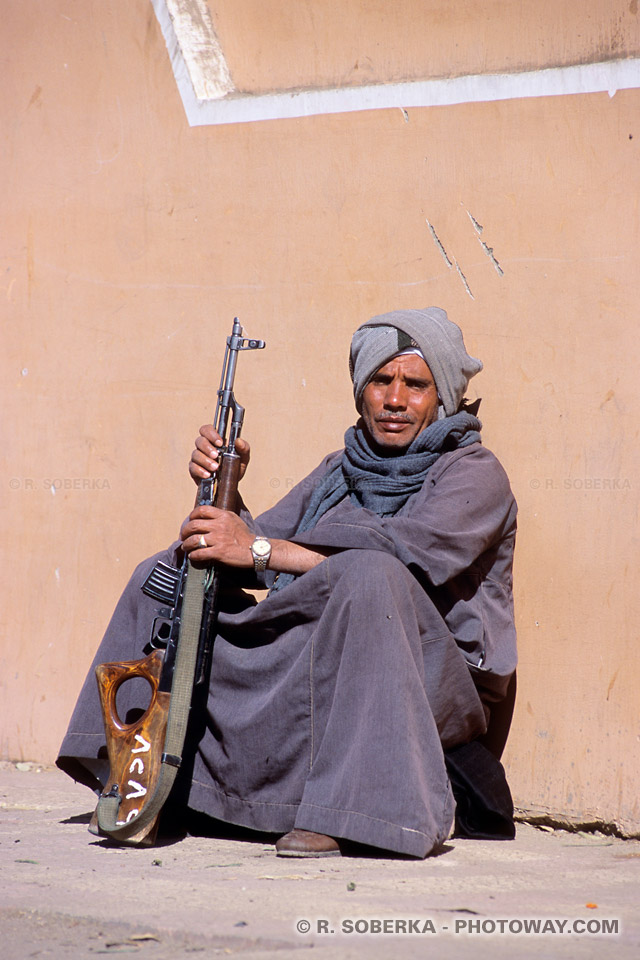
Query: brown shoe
[[304, 843]]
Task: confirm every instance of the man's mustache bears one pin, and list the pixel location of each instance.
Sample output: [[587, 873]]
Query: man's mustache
[[396, 417]]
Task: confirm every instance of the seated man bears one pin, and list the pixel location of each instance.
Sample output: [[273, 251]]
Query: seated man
[[388, 630]]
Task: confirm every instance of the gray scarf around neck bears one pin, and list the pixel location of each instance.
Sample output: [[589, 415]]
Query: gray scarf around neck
[[384, 484]]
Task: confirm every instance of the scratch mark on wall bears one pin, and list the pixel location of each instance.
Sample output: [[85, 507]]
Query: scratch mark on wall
[[445, 256], [567, 259], [476, 226], [35, 96], [116, 284], [487, 249], [405, 114], [611, 683], [118, 150], [464, 281], [30, 261], [489, 252], [436, 240]]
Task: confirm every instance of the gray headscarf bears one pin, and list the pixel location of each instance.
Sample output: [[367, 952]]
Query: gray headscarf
[[430, 330]]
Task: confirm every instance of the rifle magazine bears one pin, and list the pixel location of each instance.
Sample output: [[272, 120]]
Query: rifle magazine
[[163, 584]]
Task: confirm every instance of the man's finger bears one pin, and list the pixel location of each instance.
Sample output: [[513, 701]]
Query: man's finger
[[204, 512], [206, 448], [203, 461], [210, 435]]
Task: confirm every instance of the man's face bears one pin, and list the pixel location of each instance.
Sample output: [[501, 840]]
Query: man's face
[[399, 401]]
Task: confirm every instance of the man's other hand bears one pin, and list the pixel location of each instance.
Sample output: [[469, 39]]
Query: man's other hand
[[204, 459], [210, 534]]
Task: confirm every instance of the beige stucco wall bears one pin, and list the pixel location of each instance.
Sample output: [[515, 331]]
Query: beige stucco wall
[[129, 242]]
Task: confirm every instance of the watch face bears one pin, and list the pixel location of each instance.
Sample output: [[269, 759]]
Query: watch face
[[262, 548]]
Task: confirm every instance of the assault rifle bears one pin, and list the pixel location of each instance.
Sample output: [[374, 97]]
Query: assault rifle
[[145, 755]]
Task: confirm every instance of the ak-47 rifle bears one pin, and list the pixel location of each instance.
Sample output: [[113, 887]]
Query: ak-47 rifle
[[144, 756]]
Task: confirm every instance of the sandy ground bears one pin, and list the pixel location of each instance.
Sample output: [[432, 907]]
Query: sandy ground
[[65, 893]]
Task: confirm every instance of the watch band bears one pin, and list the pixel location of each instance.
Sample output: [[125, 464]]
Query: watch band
[[261, 552]]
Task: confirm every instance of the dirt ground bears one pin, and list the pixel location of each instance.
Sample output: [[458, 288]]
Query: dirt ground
[[65, 893]]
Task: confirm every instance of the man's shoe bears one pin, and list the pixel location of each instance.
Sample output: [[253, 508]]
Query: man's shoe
[[304, 843]]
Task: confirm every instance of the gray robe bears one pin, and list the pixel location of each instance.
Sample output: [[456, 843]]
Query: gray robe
[[331, 700]]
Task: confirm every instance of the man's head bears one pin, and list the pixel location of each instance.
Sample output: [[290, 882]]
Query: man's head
[[419, 358], [399, 401]]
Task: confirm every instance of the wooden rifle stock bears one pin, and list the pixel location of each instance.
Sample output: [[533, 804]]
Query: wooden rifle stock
[[134, 757], [145, 755]]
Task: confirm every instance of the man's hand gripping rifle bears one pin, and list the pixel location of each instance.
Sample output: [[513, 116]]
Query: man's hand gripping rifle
[[144, 756]]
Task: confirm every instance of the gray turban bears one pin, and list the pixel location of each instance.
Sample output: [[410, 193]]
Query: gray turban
[[438, 339]]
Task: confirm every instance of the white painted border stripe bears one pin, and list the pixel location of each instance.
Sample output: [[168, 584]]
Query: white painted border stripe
[[608, 77], [199, 48]]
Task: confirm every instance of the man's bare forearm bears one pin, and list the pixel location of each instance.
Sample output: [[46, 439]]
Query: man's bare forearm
[[287, 557], [213, 535]]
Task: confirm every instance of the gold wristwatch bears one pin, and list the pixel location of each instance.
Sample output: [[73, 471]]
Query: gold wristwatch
[[261, 552]]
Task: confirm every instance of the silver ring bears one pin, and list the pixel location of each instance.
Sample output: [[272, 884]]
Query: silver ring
[[202, 540]]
